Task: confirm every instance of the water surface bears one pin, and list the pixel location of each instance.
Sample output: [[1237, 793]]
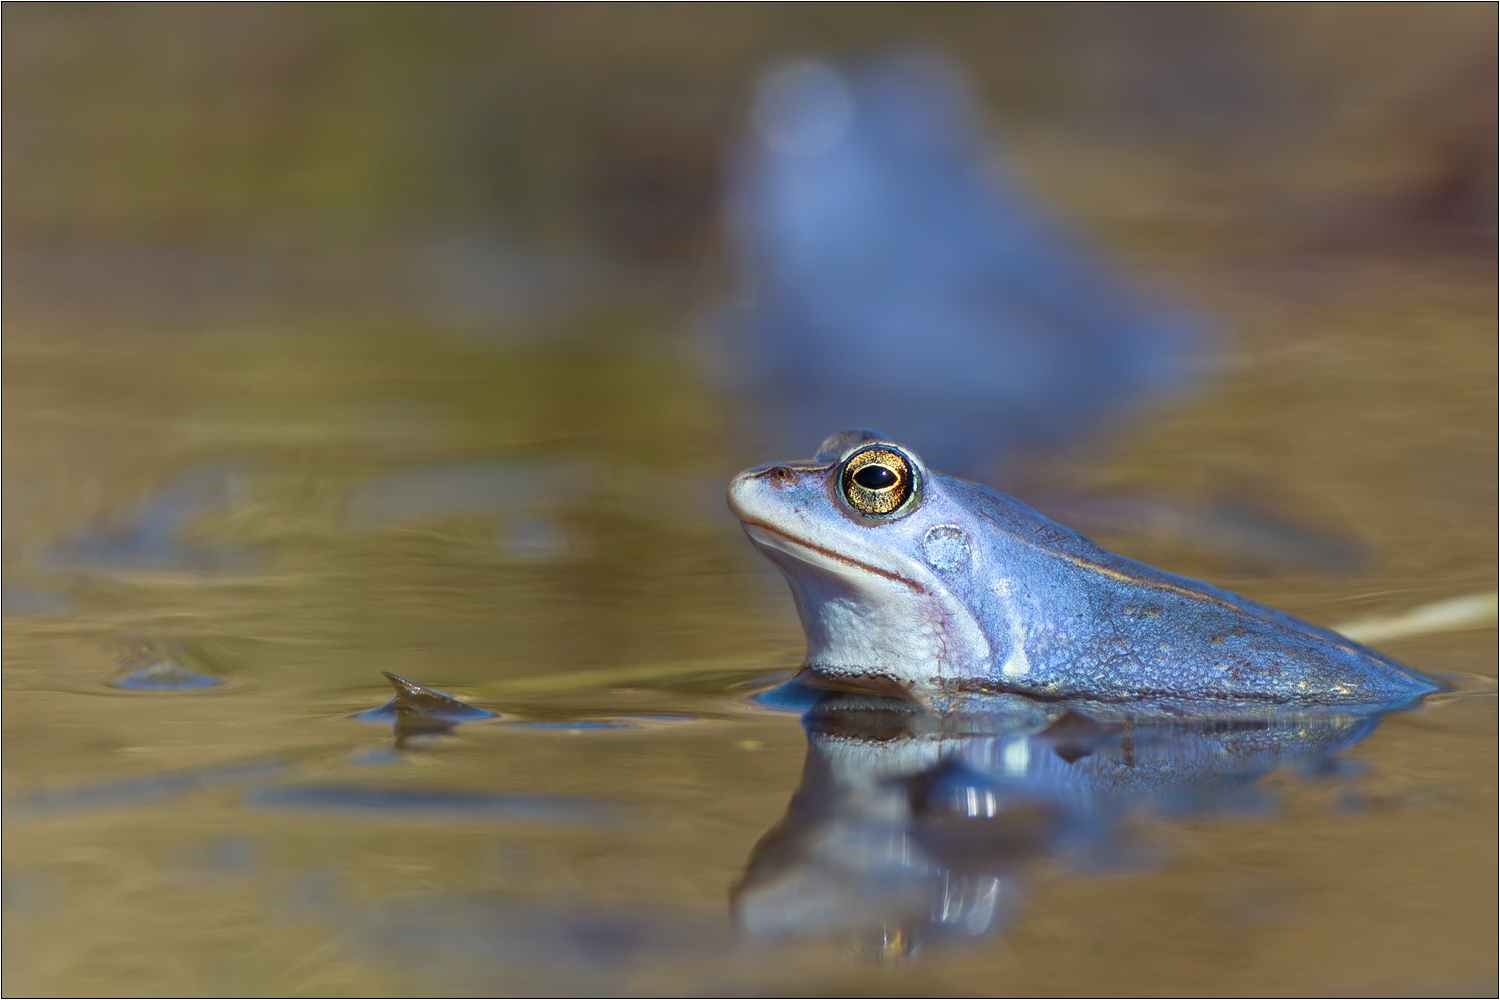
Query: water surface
[[289, 512], [243, 477]]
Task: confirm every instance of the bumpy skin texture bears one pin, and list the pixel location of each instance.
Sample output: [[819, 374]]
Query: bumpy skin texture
[[970, 590]]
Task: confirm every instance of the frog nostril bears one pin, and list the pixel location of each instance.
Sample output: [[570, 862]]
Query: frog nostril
[[781, 477]]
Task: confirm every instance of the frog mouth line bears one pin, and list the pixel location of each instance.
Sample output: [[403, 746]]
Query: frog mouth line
[[758, 527]]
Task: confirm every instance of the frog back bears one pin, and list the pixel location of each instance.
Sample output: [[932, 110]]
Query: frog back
[[1069, 619]]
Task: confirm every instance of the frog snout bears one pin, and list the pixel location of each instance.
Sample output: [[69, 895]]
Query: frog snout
[[736, 494], [756, 489], [742, 489]]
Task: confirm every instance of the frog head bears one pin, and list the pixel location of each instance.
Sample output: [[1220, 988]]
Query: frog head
[[878, 551]]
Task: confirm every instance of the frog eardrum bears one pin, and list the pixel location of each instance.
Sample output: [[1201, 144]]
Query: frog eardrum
[[878, 482]]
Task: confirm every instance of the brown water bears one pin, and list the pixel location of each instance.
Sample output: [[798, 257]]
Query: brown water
[[286, 470], [539, 530]]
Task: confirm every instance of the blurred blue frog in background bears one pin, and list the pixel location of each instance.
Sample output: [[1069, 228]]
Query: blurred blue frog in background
[[893, 277]]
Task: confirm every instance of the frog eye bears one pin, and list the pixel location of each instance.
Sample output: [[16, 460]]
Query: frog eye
[[878, 482]]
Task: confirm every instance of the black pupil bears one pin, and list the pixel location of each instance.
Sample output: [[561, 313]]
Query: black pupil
[[876, 477]]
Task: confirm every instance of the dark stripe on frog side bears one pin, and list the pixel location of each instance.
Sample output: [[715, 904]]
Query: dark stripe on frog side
[[1026, 517], [838, 558], [1290, 622]]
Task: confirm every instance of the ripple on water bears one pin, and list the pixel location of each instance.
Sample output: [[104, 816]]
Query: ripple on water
[[417, 708], [164, 677], [164, 664], [789, 696], [423, 804], [596, 724], [1467, 704], [45, 802]]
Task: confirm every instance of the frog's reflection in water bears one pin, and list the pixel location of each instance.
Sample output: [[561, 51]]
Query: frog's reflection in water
[[909, 828]]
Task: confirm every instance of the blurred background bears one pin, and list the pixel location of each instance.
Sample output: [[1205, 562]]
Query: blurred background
[[341, 338]]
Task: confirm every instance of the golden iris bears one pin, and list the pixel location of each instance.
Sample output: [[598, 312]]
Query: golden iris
[[877, 482]]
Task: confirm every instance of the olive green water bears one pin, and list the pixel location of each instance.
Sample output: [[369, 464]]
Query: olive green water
[[654, 606], [534, 521]]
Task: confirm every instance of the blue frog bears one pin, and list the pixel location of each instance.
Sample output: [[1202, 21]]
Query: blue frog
[[936, 589]]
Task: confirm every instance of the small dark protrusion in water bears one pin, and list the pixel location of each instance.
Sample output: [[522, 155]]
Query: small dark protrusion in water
[[415, 700], [421, 711]]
